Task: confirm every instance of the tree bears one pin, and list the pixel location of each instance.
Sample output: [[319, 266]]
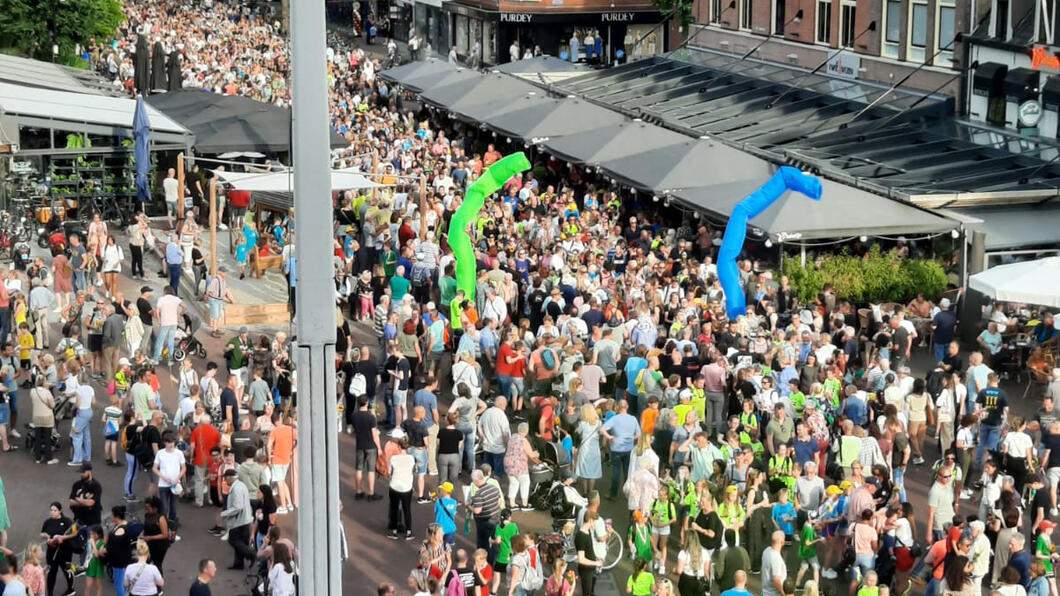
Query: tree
[[30, 27], [680, 9]]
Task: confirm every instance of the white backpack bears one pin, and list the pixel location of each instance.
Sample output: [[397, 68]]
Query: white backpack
[[358, 385], [532, 578]]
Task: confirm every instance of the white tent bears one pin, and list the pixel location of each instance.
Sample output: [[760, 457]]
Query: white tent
[[1032, 282], [284, 181]]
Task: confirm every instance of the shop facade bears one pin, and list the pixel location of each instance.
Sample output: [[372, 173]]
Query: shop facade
[[615, 35]]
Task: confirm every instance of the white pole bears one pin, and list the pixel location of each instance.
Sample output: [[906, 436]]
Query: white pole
[[802, 255], [318, 517]]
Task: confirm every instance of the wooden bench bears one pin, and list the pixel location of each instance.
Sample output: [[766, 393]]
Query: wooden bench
[[272, 313], [262, 264]]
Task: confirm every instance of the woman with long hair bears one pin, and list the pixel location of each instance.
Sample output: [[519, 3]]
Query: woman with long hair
[[692, 567], [156, 531], [759, 515], [281, 575], [264, 514], [957, 579], [588, 564], [587, 461], [112, 257]]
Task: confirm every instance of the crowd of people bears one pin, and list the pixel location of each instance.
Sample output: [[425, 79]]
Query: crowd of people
[[775, 444]]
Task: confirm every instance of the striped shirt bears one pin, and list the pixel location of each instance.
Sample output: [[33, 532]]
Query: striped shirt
[[381, 314], [488, 497]]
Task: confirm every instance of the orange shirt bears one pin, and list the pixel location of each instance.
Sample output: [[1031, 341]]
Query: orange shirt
[[283, 438], [647, 420]]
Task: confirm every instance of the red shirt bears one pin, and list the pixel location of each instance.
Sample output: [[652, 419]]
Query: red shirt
[[503, 353], [204, 437]]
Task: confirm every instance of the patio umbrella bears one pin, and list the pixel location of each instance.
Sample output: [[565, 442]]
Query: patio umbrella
[[1033, 282], [142, 150], [142, 66], [176, 79], [158, 68]]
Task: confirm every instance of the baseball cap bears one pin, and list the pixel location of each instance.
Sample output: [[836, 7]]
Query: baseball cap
[[222, 269], [243, 330], [872, 480], [833, 490], [431, 306], [123, 362], [845, 484], [446, 487], [1047, 524], [397, 433]]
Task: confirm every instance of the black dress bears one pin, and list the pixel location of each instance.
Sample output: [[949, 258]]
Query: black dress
[[157, 548]]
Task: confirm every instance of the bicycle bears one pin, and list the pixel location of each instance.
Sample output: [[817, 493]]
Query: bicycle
[[560, 545]]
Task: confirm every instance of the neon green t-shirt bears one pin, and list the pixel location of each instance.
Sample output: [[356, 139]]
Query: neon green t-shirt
[[867, 591], [662, 513], [505, 533], [642, 584], [1044, 546], [807, 550]]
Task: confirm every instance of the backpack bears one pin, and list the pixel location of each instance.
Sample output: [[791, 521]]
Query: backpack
[[358, 385], [548, 358], [532, 578], [455, 587], [130, 439], [639, 382]]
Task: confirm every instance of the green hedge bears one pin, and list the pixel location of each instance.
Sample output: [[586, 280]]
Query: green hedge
[[876, 277]]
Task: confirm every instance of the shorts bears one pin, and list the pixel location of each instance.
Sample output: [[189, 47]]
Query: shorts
[[365, 460], [217, 309], [113, 437], [239, 372], [400, 398], [420, 455], [518, 386], [24, 363], [5, 414], [1052, 475], [812, 562], [661, 530], [171, 207], [499, 567], [95, 342], [279, 472]]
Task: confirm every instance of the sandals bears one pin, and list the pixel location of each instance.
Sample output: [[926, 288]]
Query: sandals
[[10, 448]]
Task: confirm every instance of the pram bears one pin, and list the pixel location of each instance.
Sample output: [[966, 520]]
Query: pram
[[555, 465], [184, 341], [561, 501]]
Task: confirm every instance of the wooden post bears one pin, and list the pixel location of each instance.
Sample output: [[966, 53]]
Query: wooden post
[[213, 225], [180, 186], [423, 206]]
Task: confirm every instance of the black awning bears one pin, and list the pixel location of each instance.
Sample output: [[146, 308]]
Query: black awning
[[989, 76], [1021, 84], [1051, 94]]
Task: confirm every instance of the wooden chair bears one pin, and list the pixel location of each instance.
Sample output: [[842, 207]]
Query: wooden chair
[[262, 264]]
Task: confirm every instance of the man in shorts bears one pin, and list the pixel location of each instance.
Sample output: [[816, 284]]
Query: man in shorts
[[170, 186], [366, 432], [217, 293], [280, 447]]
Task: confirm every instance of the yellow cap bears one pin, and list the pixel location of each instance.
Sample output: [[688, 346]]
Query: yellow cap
[[833, 490], [845, 484], [447, 487]]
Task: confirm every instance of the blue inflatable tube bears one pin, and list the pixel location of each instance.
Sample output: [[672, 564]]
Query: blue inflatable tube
[[787, 178]]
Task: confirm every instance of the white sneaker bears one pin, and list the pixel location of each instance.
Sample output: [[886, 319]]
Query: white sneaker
[[966, 494], [16, 434], [221, 226], [662, 569], [829, 574], [1053, 512], [224, 536]]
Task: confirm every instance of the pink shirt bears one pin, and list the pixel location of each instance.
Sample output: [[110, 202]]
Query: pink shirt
[[714, 378]]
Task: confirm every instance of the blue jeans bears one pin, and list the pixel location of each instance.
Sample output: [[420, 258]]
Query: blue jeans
[[82, 438], [619, 467], [174, 276], [866, 562], [988, 438], [5, 323], [505, 383], [169, 503], [469, 448], [932, 587], [165, 335], [898, 477], [940, 352], [496, 461], [78, 280], [131, 466], [119, 580]]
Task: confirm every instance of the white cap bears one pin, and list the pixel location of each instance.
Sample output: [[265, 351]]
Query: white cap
[[123, 362], [397, 433], [431, 306]]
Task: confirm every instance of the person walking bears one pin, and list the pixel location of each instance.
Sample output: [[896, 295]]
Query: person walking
[[170, 469], [217, 293], [237, 517], [201, 585], [43, 422], [402, 472], [622, 430]]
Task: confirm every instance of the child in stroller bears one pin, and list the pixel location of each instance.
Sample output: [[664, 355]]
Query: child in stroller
[[184, 341]]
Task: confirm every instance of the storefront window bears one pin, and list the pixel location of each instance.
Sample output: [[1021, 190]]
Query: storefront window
[[489, 42], [462, 45]]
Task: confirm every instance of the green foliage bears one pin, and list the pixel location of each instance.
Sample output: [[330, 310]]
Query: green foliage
[[26, 26], [680, 9], [876, 277]]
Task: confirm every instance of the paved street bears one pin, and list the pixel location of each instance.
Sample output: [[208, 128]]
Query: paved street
[[373, 558]]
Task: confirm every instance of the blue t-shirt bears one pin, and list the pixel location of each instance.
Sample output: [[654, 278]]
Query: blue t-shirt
[[736, 592], [784, 515], [805, 450], [855, 410], [625, 429], [429, 402], [445, 514], [634, 366]]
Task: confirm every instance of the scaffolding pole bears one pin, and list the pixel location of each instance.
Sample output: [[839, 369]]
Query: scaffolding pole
[[318, 517]]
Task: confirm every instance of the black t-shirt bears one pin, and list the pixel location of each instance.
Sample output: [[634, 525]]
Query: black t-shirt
[[87, 489], [262, 513], [403, 368], [954, 362], [57, 527], [994, 401], [363, 423], [584, 543], [467, 577], [1052, 443], [143, 305], [119, 547], [417, 432], [228, 398], [901, 336], [150, 437], [370, 370], [199, 589], [710, 521], [449, 440]]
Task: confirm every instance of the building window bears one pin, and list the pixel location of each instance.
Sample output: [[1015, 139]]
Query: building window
[[715, 11], [745, 14], [1000, 14], [917, 31], [847, 12], [824, 22], [944, 42], [779, 16], [892, 28]]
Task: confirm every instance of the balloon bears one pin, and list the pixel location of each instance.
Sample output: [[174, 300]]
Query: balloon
[[488, 183], [787, 178]]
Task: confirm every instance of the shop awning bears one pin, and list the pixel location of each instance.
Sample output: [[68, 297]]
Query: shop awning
[[423, 81], [542, 118], [487, 89], [284, 181], [688, 165], [224, 123], [1017, 226], [399, 74], [611, 142], [540, 64], [842, 211]]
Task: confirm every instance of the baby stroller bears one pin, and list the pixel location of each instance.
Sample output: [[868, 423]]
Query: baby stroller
[[184, 339], [31, 437], [555, 465]]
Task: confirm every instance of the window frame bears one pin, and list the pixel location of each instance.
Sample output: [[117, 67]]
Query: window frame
[[746, 21], [914, 52], [845, 24], [817, 39], [945, 57], [891, 48]]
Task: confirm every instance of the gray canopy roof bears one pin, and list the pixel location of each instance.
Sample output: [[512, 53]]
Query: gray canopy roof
[[690, 164], [497, 89], [399, 74], [842, 211], [611, 142], [539, 64], [431, 79], [545, 117]]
